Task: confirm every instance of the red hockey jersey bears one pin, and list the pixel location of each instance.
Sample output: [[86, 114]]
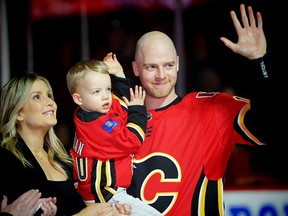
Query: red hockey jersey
[[180, 167]]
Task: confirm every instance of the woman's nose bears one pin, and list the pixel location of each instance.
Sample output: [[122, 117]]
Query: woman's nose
[[50, 102]]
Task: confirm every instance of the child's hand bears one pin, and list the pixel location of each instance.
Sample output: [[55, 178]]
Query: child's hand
[[137, 97], [114, 66]]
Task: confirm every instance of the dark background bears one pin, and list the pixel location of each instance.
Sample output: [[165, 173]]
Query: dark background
[[56, 46]]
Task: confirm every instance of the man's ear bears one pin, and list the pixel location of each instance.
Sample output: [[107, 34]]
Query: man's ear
[[77, 99], [135, 68], [178, 63]]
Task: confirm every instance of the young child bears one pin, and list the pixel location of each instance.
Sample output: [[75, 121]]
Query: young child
[[110, 128]]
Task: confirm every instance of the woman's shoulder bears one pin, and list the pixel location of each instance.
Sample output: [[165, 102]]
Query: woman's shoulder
[[5, 152]]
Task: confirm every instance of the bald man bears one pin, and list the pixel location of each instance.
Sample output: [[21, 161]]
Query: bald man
[[180, 168]]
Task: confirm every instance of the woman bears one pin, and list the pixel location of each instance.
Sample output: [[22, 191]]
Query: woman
[[31, 152]]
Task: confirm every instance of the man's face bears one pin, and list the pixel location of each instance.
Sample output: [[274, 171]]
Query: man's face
[[157, 68]]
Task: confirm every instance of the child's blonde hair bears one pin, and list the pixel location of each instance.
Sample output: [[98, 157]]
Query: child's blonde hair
[[80, 69]]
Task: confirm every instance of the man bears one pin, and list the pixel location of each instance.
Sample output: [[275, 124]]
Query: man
[[180, 168]]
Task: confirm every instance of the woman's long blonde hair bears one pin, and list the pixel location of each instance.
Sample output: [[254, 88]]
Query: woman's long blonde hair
[[14, 94]]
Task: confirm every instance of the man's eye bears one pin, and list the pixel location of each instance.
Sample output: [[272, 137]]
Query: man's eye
[[150, 67], [169, 66]]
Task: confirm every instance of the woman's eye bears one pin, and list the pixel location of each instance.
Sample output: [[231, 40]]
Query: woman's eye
[[36, 97], [50, 96]]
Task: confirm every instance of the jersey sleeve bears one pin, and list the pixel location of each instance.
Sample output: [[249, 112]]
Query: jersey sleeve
[[259, 118], [120, 86], [137, 121]]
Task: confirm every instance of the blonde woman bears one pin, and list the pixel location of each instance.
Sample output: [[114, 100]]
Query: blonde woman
[[31, 155]]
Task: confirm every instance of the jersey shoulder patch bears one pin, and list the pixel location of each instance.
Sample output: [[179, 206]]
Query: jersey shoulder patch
[[206, 94], [109, 125]]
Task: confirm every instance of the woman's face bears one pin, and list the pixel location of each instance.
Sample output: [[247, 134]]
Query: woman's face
[[39, 111]]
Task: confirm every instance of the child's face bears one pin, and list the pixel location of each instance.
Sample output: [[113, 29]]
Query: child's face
[[95, 93]]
